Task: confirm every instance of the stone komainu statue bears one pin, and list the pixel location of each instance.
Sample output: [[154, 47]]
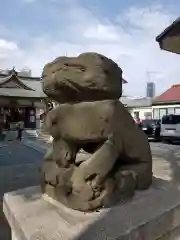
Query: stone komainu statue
[[116, 158]]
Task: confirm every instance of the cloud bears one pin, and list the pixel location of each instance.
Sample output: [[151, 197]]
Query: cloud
[[7, 49], [102, 33], [127, 37], [7, 45]]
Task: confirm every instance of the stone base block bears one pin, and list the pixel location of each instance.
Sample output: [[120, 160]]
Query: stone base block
[[151, 214]]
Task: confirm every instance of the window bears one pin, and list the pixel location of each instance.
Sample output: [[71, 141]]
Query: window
[[156, 113], [177, 111], [171, 119], [170, 110], [162, 112]]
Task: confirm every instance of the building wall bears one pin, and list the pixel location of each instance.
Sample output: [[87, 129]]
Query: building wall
[[143, 112], [160, 110]]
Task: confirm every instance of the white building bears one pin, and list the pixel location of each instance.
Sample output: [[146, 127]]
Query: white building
[[138, 107]]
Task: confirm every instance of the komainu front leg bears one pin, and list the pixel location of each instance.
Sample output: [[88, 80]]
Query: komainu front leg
[[64, 152], [58, 165], [97, 167]]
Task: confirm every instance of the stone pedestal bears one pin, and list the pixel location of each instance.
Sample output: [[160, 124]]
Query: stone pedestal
[[13, 235], [152, 214]]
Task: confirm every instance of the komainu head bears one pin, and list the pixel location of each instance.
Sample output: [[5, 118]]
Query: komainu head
[[87, 77]]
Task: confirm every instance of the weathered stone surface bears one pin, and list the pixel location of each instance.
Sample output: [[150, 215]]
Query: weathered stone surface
[[123, 153], [90, 76], [90, 116]]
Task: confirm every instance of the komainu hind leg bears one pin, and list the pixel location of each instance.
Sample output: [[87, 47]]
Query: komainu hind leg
[[142, 173]]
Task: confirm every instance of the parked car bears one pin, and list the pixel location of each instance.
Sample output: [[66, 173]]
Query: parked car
[[152, 128], [170, 128]]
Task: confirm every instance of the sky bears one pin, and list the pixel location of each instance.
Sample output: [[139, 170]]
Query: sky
[[34, 32]]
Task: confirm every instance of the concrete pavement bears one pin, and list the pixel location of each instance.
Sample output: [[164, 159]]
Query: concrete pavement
[[166, 162], [19, 168]]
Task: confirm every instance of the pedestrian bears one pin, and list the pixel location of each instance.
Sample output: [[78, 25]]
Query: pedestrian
[[20, 127], [138, 121]]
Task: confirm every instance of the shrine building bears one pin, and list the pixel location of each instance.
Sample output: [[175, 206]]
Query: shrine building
[[21, 98]]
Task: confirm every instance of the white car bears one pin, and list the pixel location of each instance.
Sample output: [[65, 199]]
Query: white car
[[170, 128]]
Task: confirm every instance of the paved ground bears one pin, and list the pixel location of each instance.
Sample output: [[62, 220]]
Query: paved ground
[[19, 168], [166, 162]]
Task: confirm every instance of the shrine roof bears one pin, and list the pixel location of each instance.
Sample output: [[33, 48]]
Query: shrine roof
[[27, 87], [17, 92]]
